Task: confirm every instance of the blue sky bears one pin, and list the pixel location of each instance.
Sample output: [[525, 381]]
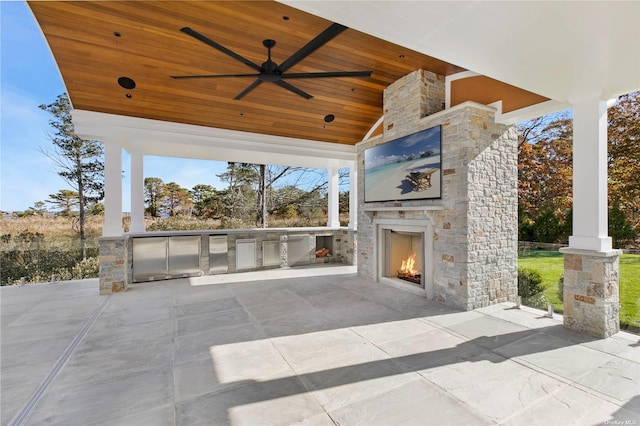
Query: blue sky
[[401, 149], [29, 78]]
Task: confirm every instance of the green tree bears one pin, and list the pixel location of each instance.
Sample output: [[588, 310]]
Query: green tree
[[154, 192], [65, 201], [624, 156], [96, 209], [206, 201], [620, 228], [547, 227], [78, 161], [177, 200], [38, 209], [239, 198], [545, 165], [343, 202], [525, 224]]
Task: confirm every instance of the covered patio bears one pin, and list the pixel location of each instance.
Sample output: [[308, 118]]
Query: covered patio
[[315, 346], [159, 78], [330, 344]]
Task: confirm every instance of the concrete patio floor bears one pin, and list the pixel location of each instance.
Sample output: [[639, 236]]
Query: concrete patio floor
[[317, 346]]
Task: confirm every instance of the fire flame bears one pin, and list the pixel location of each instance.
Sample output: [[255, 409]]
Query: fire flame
[[408, 266]]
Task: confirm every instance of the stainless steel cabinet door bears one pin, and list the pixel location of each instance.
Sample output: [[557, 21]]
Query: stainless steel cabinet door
[[184, 255], [149, 258]]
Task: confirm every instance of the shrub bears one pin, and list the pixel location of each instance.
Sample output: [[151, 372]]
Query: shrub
[[88, 268], [561, 288], [530, 288]]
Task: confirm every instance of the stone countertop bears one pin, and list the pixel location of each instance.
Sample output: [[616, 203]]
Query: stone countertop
[[303, 230]]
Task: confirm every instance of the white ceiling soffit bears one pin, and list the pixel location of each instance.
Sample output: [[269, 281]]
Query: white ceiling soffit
[[563, 50], [167, 139]]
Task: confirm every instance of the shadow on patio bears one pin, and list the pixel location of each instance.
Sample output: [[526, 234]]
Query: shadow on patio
[[333, 349]]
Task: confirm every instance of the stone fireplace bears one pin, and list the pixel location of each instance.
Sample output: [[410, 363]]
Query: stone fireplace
[[465, 242], [405, 250]]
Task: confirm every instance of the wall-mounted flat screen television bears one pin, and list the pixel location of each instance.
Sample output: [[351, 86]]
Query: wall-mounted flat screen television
[[407, 168]]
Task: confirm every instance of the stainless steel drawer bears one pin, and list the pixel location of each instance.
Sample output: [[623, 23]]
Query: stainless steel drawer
[[218, 260]]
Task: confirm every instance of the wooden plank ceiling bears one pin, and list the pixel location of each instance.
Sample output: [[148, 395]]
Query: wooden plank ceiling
[[97, 42]]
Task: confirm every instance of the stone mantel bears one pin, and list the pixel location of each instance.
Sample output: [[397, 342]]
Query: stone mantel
[[369, 211], [402, 208]]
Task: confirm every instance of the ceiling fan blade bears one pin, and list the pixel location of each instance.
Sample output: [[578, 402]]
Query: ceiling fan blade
[[327, 74], [213, 76], [310, 47], [221, 48], [248, 89], [294, 89]]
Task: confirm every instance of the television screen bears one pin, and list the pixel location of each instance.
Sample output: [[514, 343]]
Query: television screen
[[408, 168]]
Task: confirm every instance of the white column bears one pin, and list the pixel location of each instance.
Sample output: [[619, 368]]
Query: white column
[[333, 219], [112, 190], [137, 192], [353, 196], [590, 229]]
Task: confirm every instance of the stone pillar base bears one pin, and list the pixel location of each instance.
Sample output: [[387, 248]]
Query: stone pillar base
[[113, 265], [591, 297]]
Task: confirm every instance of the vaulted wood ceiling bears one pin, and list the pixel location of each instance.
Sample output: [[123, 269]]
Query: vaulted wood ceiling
[[97, 42]]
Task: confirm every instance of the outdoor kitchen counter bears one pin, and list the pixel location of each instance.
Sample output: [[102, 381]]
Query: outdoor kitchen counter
[[160, 255]]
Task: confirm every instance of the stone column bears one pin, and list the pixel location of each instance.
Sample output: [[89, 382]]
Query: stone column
[[112, 250], [113, 260], [591, 298], [590, 225], [333, 213], [137, 192], [353, 197]]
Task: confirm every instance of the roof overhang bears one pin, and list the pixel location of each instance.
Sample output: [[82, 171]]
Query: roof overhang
[[96, 42], [562, 50]]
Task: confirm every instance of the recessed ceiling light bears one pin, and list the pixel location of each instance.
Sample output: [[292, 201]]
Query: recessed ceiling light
[[401, 56], [126, 83], [128, 95], [242, 113], [329, 118], [285, 18], [117, 34]]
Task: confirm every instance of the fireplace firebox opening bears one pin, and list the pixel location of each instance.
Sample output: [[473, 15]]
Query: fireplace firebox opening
[[404, 256]]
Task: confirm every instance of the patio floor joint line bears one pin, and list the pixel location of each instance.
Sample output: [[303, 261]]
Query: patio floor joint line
[[24, 414]]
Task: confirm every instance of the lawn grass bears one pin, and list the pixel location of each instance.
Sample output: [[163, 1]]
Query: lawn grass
[[550, 266], [630, 290]]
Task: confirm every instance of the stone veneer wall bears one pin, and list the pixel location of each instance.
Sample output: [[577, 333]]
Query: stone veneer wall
[[475, 233], [112, 257]]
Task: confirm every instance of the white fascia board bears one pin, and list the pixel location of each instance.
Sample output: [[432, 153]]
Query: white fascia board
[[528, 113], [162, 138]]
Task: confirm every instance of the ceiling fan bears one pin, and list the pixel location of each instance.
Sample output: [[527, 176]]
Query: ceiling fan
[[269, 71]]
